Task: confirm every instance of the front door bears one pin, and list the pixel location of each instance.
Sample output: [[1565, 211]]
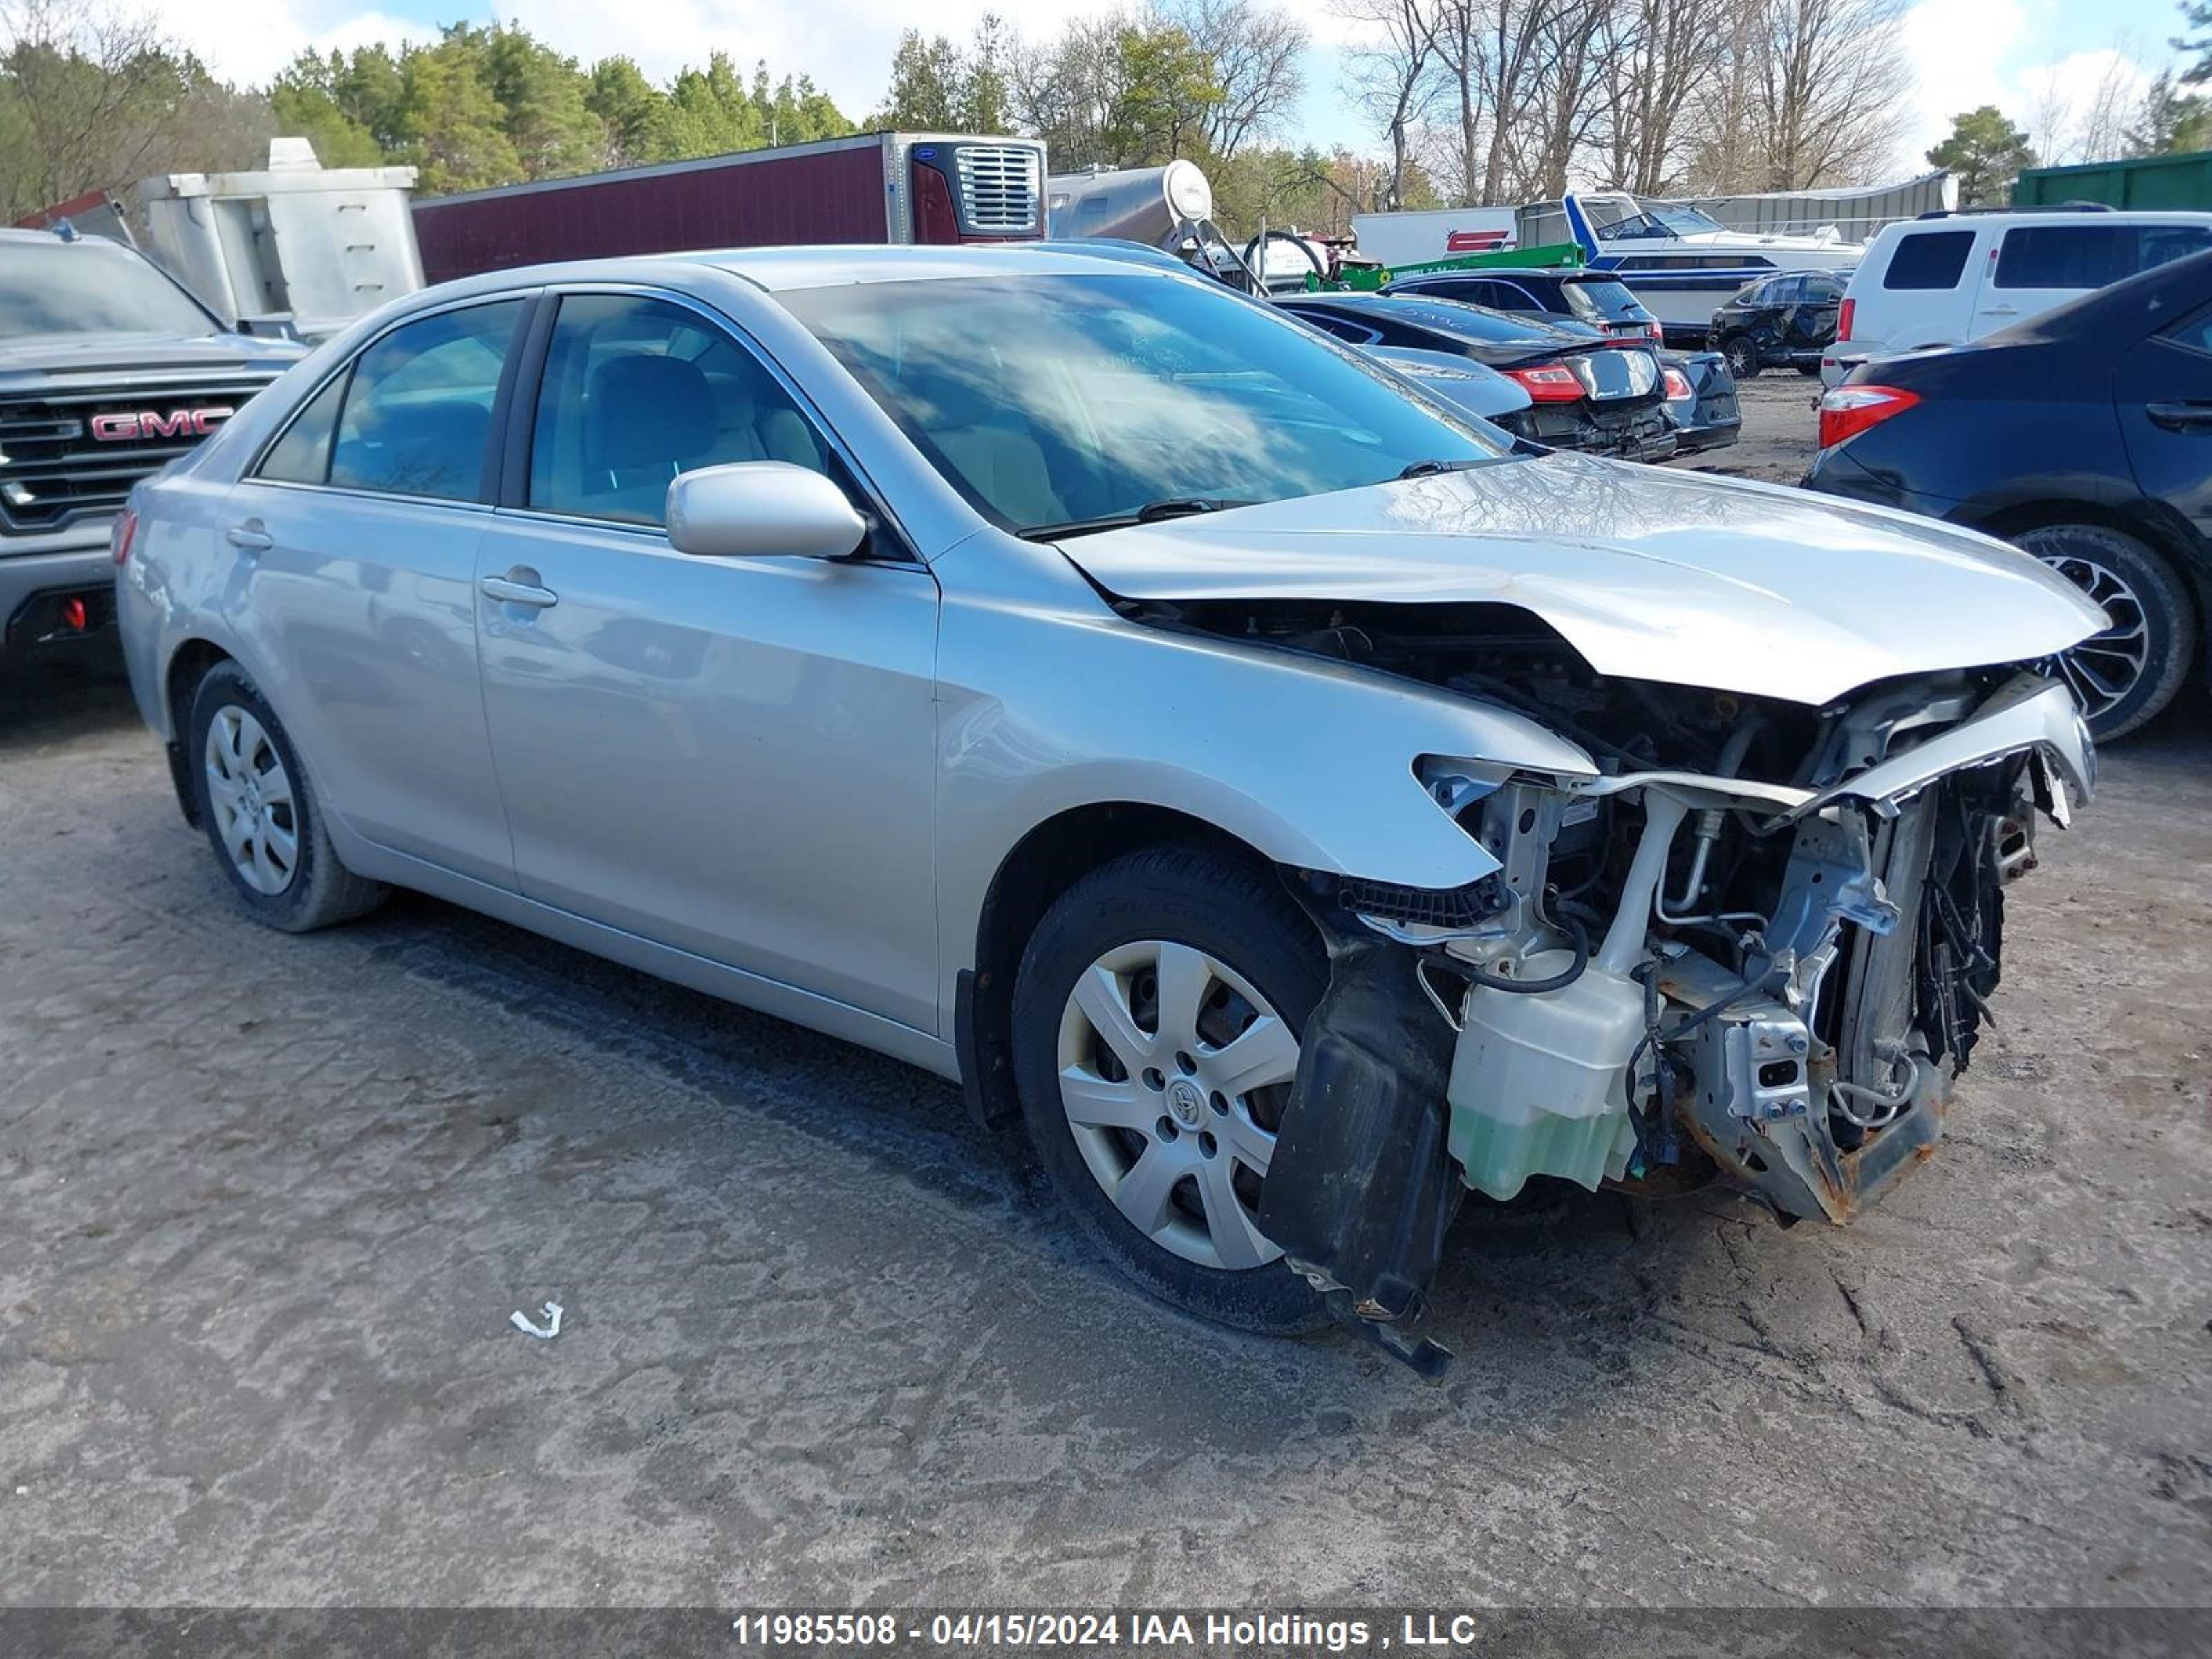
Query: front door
[[732, 756]]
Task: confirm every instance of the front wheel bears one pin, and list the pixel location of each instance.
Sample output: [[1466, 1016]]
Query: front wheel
[[1742, 356], [2123, 676], [1157, 1022]]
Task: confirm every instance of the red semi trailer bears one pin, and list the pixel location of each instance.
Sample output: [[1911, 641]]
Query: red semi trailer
[[872, 187]]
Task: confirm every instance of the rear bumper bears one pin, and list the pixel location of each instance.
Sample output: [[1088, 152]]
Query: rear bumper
[[33, 585], [1645, 433]]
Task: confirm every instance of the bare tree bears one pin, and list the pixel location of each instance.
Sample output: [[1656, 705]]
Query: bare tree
[[1658, 55], [1393, 73], [2093, 128], [95, 100], [1825, 78], [1255, 51]]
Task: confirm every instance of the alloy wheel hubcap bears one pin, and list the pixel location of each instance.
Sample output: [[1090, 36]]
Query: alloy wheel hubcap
[[2106, 667], [250, 794], [1174, 1072]]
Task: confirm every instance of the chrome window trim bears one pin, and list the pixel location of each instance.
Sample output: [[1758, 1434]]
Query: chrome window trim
[[251, 473]]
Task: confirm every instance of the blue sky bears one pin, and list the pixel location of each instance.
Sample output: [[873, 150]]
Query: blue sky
[[2042, 61]]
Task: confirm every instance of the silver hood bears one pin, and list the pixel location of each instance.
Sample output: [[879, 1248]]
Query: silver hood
[[1650, 574]]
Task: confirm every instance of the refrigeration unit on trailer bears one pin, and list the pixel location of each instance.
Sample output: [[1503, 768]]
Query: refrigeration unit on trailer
[[874, 188]]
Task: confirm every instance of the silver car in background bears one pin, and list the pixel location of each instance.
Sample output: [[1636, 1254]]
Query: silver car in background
[[1085, 682]]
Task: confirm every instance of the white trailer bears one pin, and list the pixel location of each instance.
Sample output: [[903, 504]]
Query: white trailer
[[1414, 237]]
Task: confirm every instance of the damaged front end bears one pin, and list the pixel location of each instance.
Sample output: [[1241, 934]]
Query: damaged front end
[[1754, 945]]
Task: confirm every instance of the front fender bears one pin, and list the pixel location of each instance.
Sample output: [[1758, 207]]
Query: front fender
[[1310, 762]]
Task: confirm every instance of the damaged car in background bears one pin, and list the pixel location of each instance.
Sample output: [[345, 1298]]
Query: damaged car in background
[[1297, 806]]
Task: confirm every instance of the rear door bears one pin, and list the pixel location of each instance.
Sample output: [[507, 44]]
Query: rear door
[[1812, 323], [1925, 296], [2162, 394], [356, 534], [735, 758]]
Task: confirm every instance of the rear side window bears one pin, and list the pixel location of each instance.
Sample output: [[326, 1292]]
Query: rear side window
[[303, 455], [2088, 256], [418, 409], [1822, 291], [1928, 259], [637, 391]]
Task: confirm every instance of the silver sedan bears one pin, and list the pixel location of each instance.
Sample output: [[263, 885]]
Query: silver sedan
[[1297, 804]]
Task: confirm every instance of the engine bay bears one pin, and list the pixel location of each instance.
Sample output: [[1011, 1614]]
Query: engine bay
[[1710, 961]]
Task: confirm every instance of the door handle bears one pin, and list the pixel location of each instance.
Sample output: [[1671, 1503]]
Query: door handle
[[507, 591], [2181, 416], [250, 537], [2000, 311]]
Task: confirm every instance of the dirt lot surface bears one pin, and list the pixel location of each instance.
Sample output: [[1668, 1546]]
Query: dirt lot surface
[[1779, 426], [266, 1204]]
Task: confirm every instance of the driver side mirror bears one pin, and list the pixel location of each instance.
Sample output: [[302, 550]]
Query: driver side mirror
[[761, 509]]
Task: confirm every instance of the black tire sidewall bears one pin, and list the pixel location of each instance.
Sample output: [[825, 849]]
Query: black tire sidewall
[[226, 686], [1219, 907], [2167, 615]]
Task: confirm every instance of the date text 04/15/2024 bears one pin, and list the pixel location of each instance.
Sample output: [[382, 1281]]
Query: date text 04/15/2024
[[1424, 1631]]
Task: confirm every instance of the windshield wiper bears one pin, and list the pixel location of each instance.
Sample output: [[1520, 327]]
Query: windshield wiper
[[1173, 507], [1430, 469]]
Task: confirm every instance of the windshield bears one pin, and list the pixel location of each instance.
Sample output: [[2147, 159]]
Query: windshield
[[89, 288], [1660, 219], [1070, 400]]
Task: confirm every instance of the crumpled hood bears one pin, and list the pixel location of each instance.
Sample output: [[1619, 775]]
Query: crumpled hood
[[1650, 574]]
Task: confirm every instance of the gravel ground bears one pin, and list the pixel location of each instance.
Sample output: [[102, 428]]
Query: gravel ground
[[266, 1204], [1779, 426]]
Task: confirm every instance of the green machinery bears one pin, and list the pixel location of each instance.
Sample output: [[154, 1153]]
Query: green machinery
[[1552, 256]]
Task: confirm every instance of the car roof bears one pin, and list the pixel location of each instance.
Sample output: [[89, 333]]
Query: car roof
[[777, 268], [1898, 229]]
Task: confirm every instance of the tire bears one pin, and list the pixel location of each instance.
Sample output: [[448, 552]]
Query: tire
[[1808, 368], [1742, 356], [1148, 915], [258, 804], [2123, 676]]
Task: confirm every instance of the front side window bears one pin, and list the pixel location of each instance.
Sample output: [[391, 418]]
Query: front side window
[[417, 414], [1090, 397], [637, 391], [1928, 259]]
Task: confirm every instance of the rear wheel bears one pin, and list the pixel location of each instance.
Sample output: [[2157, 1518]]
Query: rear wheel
[[1157, 1020], [1742, 356], [258, 808], [2125, 675]]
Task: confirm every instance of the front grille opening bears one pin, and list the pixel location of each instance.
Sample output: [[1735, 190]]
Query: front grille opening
[[67, 454], [999, 187]]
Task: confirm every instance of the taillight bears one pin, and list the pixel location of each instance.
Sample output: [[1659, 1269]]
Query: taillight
[[1658, 334], [119, 538], [1548, 383], [1850, 409], [1678, 384], [1843, 320]]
